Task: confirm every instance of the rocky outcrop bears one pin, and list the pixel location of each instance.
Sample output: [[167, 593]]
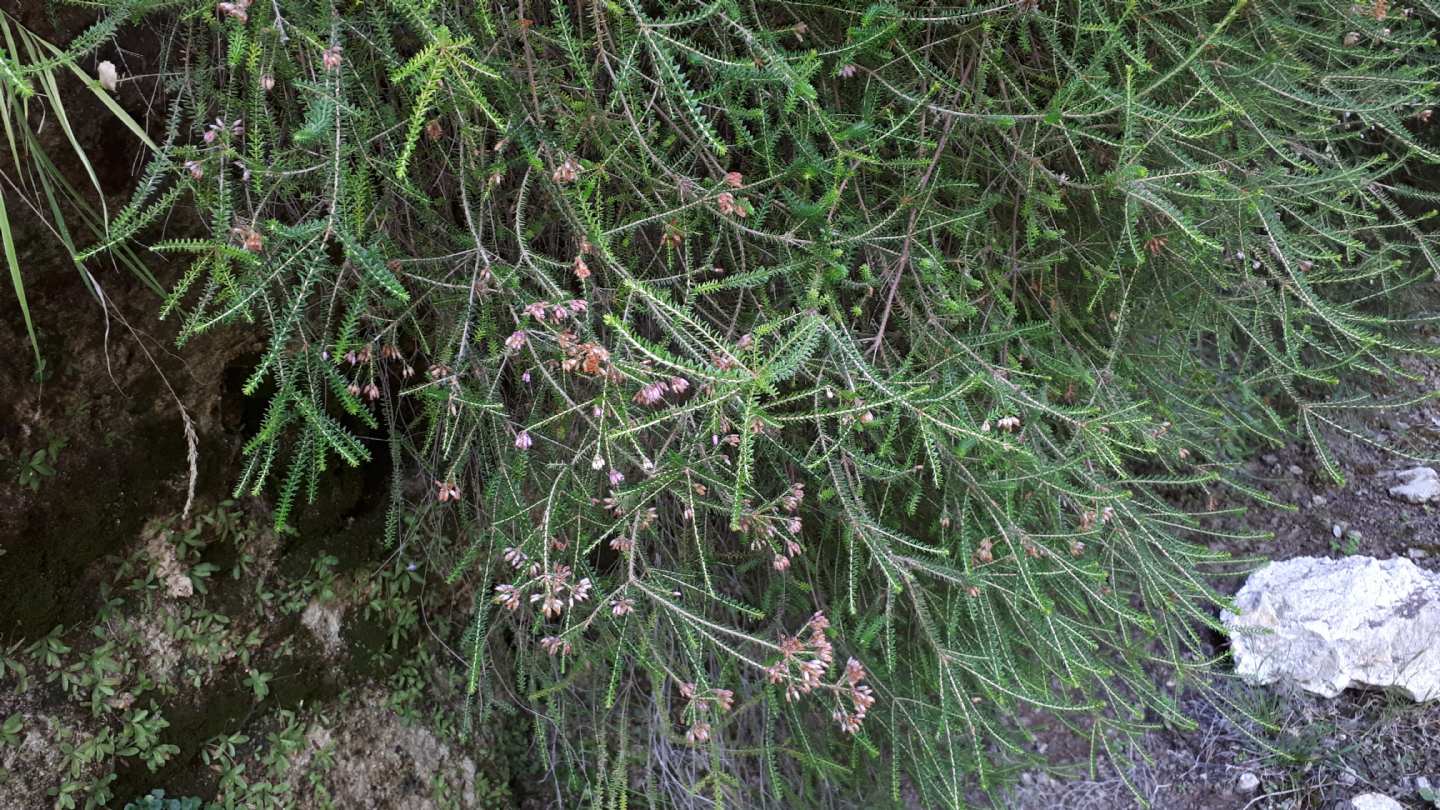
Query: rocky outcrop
[[1325, 624], [1417, 485]]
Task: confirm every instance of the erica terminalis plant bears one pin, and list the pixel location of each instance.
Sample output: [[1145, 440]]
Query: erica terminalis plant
[[800, 391]]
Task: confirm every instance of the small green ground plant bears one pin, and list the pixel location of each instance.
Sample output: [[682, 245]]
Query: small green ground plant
[[95, 691], [84, 705], [801, 390], [35, 467], [156, 800]]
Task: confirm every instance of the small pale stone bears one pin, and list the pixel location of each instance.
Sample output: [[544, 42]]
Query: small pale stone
[[1295, 469], [1417, 485], [1375, 801], [1247, 783], [179, 586], [105, 74], [1325, 624], [1337, 531], [324, 620], [1318, 500]]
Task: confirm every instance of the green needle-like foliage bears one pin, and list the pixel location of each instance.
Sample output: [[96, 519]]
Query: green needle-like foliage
[[730, 342]]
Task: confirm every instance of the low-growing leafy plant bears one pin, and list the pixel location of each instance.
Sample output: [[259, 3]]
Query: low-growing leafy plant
[[259, 683], [39, 465], [156, 800], [803, 388], [10, 730], [1347, 544]]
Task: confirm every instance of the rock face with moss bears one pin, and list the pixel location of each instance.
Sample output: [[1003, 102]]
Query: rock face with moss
[[1325, 624]]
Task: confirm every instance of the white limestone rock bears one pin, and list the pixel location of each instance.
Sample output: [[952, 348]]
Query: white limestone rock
[[105, 74], [324, 620], [1417, 485], [1325, 624], [1375, 801]]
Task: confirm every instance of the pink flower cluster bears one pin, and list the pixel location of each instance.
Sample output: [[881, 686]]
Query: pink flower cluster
[[238, 9], [370, 391], [724, 360], [655, 392], [1087, 518], [802, 667], [567, 172], [730, 206], [723, 699], [586, 358], [698, 732], [861, 696], [625, 543], [700, 704], [363, 356], [558, 312], [803, 661], [236, 127], [355, 358], [553, 589], [762, 525], [447, 491]]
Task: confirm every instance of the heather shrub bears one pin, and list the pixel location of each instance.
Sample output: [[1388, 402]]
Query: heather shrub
[[804, 390]]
